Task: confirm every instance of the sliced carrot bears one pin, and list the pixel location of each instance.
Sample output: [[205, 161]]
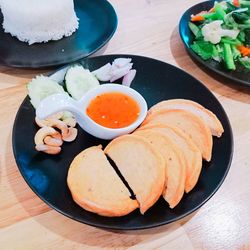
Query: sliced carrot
[[197, 18], [211, 10], [202, 12], [245, 51], [236, 3]]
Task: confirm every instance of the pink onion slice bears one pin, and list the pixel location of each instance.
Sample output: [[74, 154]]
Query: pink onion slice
[[119, 68], [119, 73], [121, 62], [104, 73], [129, 77]]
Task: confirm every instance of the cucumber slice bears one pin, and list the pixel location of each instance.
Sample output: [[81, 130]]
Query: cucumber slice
[[42, 87], [79, 81]]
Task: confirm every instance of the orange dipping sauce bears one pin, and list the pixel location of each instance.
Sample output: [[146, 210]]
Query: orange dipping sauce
[[113, 110]]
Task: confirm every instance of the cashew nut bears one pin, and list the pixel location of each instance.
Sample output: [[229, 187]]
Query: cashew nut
[[54, 140], [48, 139], [71, 136], [57, 116], [42, 133], [41, 123], [46, 122], [70, 121], [60, 125], [48, 149]]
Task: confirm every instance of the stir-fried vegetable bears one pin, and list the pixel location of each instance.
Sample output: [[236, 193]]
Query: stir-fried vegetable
[[223, 33]]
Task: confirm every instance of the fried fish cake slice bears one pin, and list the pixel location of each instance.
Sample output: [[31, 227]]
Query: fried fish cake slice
[[206, 115], [175, 167], [191, 153], [141, 166], [96, 187], [191, 124]]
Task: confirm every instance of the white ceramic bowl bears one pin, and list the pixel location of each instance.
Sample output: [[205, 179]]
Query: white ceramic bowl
[[61, 102]]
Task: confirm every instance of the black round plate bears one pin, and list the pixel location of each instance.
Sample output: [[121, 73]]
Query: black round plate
[[240, 75], [98, 22], [156, 81]]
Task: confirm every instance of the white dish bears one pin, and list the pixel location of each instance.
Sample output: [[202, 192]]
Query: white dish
[[61, 102]]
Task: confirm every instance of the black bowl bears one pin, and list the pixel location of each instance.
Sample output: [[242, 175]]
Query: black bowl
[[156, 81], [97, 24], [240, 75]]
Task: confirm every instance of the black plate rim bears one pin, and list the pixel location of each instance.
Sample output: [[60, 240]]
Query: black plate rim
[[107, 227], [63, 62], [198, 59]]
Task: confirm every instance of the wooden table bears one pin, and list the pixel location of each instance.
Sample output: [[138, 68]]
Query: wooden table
[[149, 28]]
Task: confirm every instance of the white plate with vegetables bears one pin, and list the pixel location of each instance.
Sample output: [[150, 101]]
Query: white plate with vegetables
[[217, 35]]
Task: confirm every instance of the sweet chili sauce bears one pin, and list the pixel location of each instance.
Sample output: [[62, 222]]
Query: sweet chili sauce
[[113, 110]]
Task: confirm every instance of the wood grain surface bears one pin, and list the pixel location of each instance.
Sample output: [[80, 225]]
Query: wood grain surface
[[149, 28]]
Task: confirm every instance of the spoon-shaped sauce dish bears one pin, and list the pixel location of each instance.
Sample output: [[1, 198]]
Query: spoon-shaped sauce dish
[[62, 102]]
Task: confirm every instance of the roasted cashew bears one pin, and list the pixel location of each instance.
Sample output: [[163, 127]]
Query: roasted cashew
[[57, 116], [42, 133], [60, 125], [54, 140], [70, 121], [41, 123], [46, 122], [71, 136], [48, 149]]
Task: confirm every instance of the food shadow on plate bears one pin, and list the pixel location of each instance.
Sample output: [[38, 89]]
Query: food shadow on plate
[[190, 65]]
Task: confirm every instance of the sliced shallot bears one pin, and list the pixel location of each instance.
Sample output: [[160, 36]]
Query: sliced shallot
[[119, 73], [121, 62], [104, 73], [129, 77], [119, 68]]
